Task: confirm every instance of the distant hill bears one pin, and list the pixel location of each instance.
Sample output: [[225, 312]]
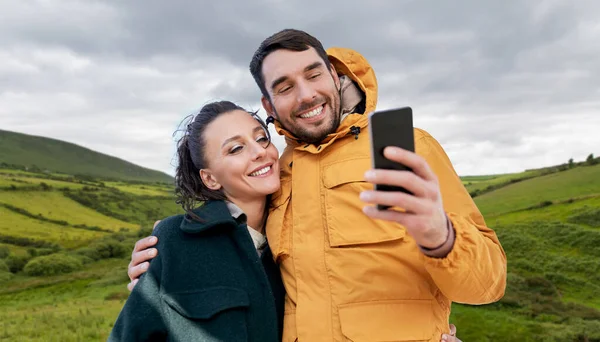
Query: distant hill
[[64, 157]]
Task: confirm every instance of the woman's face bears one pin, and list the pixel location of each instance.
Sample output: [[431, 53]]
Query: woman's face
[[240, 158]]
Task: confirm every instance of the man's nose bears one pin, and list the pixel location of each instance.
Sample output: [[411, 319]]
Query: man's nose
[[306, 93]]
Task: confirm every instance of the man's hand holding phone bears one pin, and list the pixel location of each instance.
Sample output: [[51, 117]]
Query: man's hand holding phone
[[423, 216], [403, 179]]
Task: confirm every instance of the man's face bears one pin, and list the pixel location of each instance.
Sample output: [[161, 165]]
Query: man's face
[[304, 93]]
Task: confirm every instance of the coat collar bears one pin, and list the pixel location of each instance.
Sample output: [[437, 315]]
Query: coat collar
[[213, 214]]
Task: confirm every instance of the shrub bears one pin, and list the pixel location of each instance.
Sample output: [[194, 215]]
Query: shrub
[[34, 252], [3, 266], [16, 262], [590, 217], [110, 249], [88, 252], [52, 264], [4, 252], [4, 276]]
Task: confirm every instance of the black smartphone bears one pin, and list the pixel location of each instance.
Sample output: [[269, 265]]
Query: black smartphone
[[393, 127]]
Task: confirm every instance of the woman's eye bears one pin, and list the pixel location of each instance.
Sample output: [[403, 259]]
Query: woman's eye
[[235, 149], [263, 140]]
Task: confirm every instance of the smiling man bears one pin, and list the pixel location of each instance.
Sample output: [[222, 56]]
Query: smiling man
[[352, 272]]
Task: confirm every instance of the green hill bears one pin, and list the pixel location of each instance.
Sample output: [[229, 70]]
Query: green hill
[[42, 153], [81, 231], [549, 227]]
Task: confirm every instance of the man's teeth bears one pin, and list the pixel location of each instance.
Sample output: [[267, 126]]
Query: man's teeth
[[312, 113], [261, 171]]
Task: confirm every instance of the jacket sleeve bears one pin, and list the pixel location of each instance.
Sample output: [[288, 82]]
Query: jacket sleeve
[[141, 318], [474, 272]]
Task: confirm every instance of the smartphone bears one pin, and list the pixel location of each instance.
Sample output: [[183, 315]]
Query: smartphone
[[393, 127]]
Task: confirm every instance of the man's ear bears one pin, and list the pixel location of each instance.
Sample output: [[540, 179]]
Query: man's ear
[[266, 103], [336, 78], [209, 180]]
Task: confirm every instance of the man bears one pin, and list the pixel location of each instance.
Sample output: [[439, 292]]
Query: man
[[352, 272]]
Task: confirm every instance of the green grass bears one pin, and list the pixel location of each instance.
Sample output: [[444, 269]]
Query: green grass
[[578, 182], [553, 251], [79, 307], [64, 157], [54, 205], [142, 190], [16, 250], [17, 225], [556, 212], [141, 210], [473, 183]]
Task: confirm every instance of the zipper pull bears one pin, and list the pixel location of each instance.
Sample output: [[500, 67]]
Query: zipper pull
[[356, 131]]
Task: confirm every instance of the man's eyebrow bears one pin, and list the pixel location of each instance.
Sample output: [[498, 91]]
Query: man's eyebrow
[[282, 79], [313, 66]]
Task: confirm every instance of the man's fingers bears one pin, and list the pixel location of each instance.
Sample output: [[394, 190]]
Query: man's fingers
[[406, 179], [131, 285], [407, 202], [411, 160], [144, 243], [452, 329], [141, 256], [134, 272], [156, 224], [388, 215]]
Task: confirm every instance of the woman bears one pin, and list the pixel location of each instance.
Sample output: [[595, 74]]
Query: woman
[[211, 280]]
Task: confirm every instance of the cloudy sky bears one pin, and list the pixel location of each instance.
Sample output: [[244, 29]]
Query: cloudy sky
[[504, 86]]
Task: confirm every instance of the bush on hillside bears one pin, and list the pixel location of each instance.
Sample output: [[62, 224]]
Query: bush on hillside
[[88, 252], [590, 217], [3, 266], [52, 264], [4, 276], [4, 252], [16, 262], [34, 252], [110, 249]]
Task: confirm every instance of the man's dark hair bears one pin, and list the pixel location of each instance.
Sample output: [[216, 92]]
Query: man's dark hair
[[288, 39]]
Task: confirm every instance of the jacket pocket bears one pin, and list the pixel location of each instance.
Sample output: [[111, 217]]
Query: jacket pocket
[[279, 222], [346, 223], [217, 313], [391, 320]]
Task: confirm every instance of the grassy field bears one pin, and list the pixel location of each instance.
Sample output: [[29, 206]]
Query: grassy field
[[548, 224], [575, 183], [17, 225], [81, 306], [143, 190], [54, 205]]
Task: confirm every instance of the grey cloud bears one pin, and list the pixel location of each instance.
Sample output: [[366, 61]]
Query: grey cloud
[[489, 77]]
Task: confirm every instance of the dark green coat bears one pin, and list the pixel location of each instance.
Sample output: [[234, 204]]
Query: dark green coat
[[206, 284]]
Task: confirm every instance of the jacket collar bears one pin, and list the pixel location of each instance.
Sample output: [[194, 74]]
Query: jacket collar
[[213, 214]]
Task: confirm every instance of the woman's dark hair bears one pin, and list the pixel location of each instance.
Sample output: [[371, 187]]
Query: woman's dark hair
[[189, 187]]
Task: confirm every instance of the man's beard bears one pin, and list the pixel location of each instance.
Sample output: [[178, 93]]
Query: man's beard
[[306, 135]]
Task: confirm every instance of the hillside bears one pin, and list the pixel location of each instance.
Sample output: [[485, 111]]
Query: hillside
[[65, 244], [549, 227], [54, 155]]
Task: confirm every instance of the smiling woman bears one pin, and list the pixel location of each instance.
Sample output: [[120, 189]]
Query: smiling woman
[[227, 289]]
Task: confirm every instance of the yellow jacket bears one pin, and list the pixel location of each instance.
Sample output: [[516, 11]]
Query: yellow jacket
[[351, 278]]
